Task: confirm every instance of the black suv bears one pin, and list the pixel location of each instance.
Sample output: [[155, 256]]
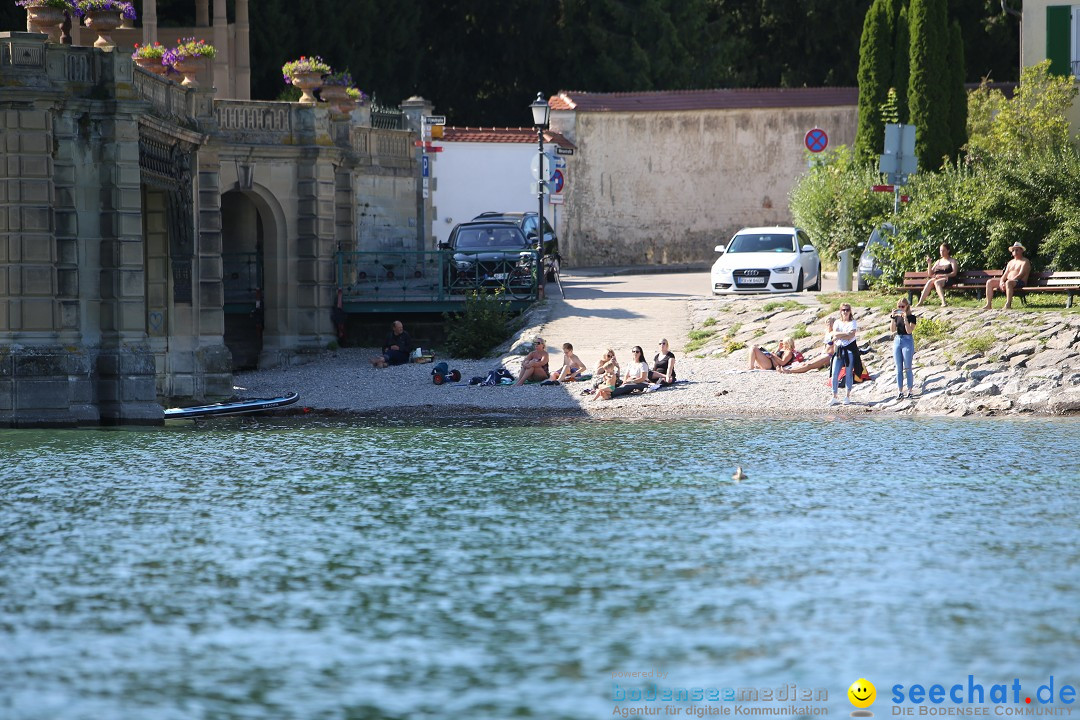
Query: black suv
[[490, 255], [526, 222]]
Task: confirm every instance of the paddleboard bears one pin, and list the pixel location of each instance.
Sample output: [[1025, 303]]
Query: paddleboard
[[232, 407]]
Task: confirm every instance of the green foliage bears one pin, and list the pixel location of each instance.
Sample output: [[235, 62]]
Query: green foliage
[[482, 325], [782, 305], [800, 331], [875, 76], [930, 329], [732, 345], [890, 109], [697, 339], [834, 202], [901, 63], [957, 94], [928, 100], [978, 343], [709, 322]]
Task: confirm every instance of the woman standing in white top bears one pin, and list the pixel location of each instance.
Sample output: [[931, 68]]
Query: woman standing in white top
[[843, 336]]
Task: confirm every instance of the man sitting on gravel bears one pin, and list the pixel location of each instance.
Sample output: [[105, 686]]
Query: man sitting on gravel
[[396, 349]]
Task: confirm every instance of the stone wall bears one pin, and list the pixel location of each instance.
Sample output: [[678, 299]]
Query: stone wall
[[666, 187]]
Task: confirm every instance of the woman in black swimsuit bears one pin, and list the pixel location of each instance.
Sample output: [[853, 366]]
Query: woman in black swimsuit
[[942, 274], [663, 365]]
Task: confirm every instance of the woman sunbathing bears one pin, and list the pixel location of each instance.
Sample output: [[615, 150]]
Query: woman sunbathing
[[762, 358], [822, 360]]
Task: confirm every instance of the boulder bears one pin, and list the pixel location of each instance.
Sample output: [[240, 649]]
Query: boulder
[[981, 372], [1065, 402], [1033, 401], [993, 404], [1062, 340], [1054, 359], [1027, 347], [984, 389]]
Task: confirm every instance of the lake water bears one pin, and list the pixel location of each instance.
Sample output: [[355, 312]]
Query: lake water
[[312, 569]]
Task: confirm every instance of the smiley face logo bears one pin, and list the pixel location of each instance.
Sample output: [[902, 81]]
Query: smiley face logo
[[862, 693]]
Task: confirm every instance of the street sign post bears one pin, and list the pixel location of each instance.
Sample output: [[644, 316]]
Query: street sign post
[[434, 119], [549, 166], [899, 160]]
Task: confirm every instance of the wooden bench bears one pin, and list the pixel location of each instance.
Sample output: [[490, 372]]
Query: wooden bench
[[1059, 281]]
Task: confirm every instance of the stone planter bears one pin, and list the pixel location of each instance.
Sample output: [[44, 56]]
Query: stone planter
[[103, 22], [308, 82], [190, 68], [337, 96], [45, 20], [152, 64]]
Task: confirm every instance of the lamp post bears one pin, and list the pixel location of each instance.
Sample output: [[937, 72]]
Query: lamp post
[[540, 111]]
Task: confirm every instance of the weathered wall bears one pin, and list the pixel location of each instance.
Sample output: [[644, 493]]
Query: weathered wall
[[666, 187], [1033, 44]]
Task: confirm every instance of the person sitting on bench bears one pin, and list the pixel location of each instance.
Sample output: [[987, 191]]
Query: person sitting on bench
[[1012, 277], [942, 274]]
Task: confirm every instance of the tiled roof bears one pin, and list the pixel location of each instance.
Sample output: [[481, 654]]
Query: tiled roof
[[500, 135], [719, 99]]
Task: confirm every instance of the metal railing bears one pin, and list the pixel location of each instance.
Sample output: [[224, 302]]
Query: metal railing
[[435, 276], [387, 119]]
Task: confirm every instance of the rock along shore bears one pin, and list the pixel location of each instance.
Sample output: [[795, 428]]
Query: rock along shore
[[993, 363]]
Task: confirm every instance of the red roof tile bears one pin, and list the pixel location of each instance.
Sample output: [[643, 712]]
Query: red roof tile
[[718, 99], [501, 135]]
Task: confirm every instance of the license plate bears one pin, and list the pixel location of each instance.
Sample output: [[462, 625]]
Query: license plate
[[501, 276], [751, 281]]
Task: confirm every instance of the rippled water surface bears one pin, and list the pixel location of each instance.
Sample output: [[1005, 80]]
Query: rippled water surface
[[478, 570]]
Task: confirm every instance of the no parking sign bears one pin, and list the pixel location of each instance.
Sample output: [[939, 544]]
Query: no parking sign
[[816, 140]]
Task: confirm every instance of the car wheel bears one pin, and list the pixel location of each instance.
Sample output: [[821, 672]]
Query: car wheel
[[816, 287], [799, 286]]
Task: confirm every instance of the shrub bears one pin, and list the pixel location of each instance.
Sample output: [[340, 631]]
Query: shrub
[[929, 330], [978, 343], [731, 345], [697, 338], [482, 325], [800, 331]]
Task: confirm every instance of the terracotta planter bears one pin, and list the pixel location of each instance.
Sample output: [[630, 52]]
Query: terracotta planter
[[152, 64], [103, 22], [190, 68], [45, 20], [308, 82], [337, 96]]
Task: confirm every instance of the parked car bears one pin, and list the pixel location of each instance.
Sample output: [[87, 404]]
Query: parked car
[[869, 264], [767, 259], [526, 222], [491, 255]]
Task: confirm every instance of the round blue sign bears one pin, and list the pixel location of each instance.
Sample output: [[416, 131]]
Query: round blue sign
[[557, 181], [816, 140]]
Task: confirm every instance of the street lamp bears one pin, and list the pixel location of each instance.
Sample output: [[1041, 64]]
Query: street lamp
[[540, 112]]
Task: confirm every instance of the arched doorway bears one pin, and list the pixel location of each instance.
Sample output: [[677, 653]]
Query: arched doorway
[[243, 238]]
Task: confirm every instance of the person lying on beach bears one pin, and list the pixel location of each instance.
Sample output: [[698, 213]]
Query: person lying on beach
[[663, 369], [535, 364], [762, 358], [572, 367], [820, 361]]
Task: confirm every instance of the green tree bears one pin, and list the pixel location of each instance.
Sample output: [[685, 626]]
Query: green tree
[[958, 102], [875, 74], [928, 101], [901, 63]]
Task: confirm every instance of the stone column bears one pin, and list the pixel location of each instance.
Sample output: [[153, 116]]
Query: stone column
[[242, 91], [415, 108], [224, 52], [213, 361], [202, 13], [149, 22]]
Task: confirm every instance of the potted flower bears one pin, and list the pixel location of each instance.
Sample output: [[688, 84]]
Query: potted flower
[[306, 74], [188, 58], [104, 16], [150, 57], [335, 89], [46, 16]]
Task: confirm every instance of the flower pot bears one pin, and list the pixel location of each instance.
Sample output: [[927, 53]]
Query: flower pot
[[337, 96], [103, 22], [152, 64], [308, 82], [45, 20], [189, 68]]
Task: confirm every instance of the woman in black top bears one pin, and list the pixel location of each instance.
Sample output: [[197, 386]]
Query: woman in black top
[[942, 274], [903, 324], [663, 365]]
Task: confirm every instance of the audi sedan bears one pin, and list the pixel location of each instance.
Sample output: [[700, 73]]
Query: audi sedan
[[767, 259]]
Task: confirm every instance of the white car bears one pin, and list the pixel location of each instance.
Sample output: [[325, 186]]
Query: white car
[[767, 259]]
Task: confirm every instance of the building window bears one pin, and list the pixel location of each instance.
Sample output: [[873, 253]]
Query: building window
[[1063, 39]]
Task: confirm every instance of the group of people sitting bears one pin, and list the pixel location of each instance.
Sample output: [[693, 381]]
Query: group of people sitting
[[609, 379]]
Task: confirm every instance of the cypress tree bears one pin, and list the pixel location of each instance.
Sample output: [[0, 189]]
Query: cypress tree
[[875, 73], [902, 64], [957, 92], [928, 99]]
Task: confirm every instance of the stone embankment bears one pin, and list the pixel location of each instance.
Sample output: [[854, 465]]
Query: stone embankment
[[966, 361]]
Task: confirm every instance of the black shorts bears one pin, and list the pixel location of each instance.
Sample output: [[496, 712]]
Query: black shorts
[[948, 280], [1018, 284]]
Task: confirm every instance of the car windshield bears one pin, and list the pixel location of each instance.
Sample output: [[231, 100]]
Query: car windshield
[[765, 242], [497, 237]]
